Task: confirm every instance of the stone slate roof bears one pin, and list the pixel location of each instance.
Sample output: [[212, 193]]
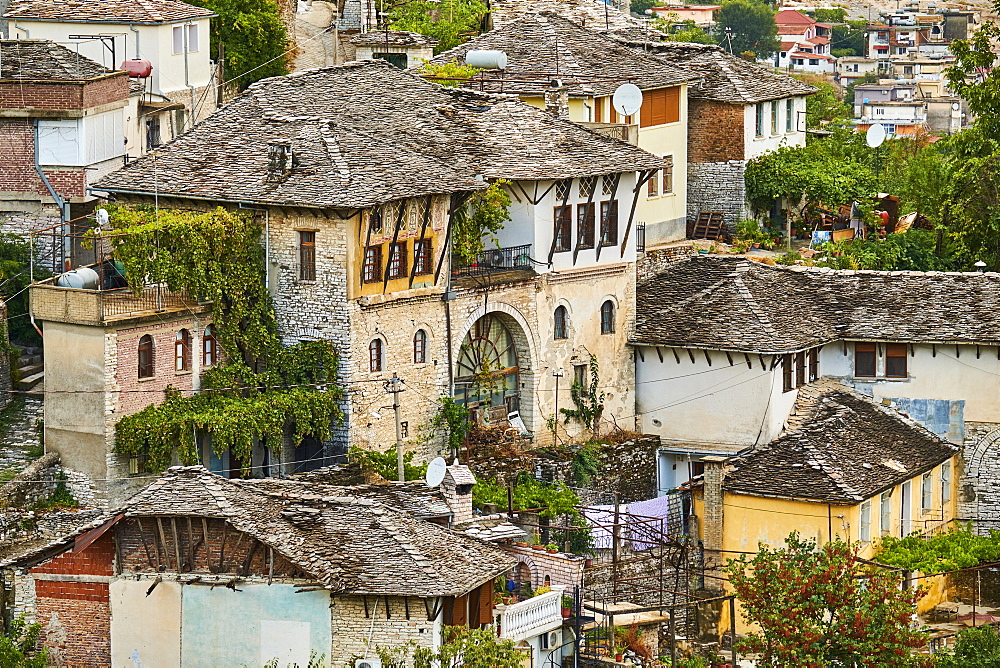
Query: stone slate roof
[[723, 76], [105, 11], [492, 528], [413, 498], [590, 14], [393, 37], [365, 133], [732, 303], [841, 448], [42, 60], [351, 545], [544, 46]]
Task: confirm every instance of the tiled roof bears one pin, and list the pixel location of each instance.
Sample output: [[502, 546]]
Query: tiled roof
[[723, 76], [366, 133], [793, 17], [843, 448], [40, 59], [492, 528], [591, 14], [542, 47], [731, 303], [351, 545], [105, 11], [412, 498], [393, 38]]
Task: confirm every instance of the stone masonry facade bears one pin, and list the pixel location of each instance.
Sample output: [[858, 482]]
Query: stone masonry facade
[[979, 497], [717, 186], [716, 159]]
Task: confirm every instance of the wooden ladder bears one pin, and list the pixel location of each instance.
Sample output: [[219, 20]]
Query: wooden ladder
[[708, 225]]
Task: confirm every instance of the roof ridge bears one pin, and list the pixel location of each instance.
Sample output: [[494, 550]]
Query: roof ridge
[[751, 301]]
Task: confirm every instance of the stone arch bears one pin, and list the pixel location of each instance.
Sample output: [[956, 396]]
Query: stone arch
[[525, 566]]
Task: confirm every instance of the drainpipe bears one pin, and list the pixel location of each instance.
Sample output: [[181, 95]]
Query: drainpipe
[[187, 82], [63, 206], [136, 31], [27, 35]]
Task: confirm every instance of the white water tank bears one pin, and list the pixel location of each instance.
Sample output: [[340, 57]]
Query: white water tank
[[83, 278], [486, 59]]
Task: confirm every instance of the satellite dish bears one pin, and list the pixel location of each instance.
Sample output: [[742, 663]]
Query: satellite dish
[[435, 471], [627, 99], [955, 106], [875, 135], [102, 217]]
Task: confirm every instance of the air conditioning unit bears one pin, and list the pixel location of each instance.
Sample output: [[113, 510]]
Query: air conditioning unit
[[367, 663], [551, 640]]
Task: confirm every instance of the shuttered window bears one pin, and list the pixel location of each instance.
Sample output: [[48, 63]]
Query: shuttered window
[[660, 107]]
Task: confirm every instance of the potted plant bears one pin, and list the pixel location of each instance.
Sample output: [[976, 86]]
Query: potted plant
[[538, 546], [552, 548], [567, 606], [520, 543], [619, 653]]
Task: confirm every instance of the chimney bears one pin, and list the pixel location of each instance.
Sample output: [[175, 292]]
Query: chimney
[[457, 490], [279, 160], [557, 99], [712, 522]]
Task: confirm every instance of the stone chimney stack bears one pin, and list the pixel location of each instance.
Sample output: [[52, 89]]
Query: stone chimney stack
[[457, 490], [557, 99], [712, 522]]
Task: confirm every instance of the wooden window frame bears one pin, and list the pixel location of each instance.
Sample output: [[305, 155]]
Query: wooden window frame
[[866, 348], [774, 117], [376, 356], [307, 255], [371, 264], [146, 356], [585, 222], [759, 111], [667, 174], [397, 267], [865, 529], [885, 513], [926, 492], [896, 351], [653, 185], [813, 364], [560, 318], [209, 346], [423, 253], [182, 351], [800, 369], [789, 115], [786, 373], [562, 227], [420, 347], [608, 317], [945, 481], [609, 222]]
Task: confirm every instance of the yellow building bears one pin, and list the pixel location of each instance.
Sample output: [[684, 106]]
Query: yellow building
[[845, 468]]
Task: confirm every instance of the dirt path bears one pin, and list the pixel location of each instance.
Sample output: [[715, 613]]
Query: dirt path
[[316, 47]]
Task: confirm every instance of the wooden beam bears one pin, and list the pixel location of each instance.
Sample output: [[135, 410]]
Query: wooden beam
[[222, 545], [677, 358], [163, 539], [204, 538], [749, 363], [646, 175], [177, 543], [190, 537], [730, 358], [708, 357], [145, 546], [691, 355], [659, 353]]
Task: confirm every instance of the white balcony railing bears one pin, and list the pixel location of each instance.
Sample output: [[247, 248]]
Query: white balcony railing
[[532, 617]]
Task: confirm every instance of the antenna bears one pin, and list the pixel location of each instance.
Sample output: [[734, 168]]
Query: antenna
[[627, 99], [875, 135], [435, 471]]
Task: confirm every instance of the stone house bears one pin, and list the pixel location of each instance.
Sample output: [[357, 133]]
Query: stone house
[[401, 48], [552, 63], [737, 111], [61, 125], [199, 570], [358, 172], [723, 347]]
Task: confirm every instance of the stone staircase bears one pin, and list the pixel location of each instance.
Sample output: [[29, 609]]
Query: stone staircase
[[30, 371]]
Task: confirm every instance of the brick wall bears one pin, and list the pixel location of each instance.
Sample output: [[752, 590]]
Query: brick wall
[[562, 568], [17, 172], [715, 131], [75, 612], [64, 95]]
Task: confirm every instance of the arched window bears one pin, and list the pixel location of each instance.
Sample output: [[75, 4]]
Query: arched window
[[146, 367], [559, 331], [209, 347], [608, 317], [375, 355], [420, 347], [182, 351]]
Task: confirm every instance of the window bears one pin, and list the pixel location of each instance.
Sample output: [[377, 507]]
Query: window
[[598, 109], [375, 355], [608, 317], [397, 260], [394, 59], [375, 221], [307, 256], [59, 142], [580, 375], [660, 107], [945, 483], [864, 360], [813, 364], [563, 217], [925, 492], [371, 272], [895, 360], [800, 369], [653, 185], [152, 132], [192, 35], [866, 521], [814, 61], [609, 223], [774, 118], [178, 39], [609, 183], [789, 115], [585, 225], [786, 374], [209, 347], [146, 366], [560, 322], [420, 347], [760, 119], [885, 512], [562, 189], [588, 185], [182, 351], [422, 256], [890, 128], [668, 174]]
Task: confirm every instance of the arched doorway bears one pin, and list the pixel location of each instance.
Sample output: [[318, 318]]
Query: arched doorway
[[487, 368]]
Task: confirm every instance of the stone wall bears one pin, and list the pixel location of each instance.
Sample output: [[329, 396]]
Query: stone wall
[[658, 260], [562, 568], [33, 484], [355, 634], [980, 475], [717, 186]]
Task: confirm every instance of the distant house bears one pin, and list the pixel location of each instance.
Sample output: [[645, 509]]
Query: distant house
[[238, 573], [805, 43], [594, 15], [701, 15], [401, 48], [897, 107], [851, 68]]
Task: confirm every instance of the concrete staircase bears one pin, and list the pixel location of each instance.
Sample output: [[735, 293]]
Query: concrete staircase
[[30, 371]]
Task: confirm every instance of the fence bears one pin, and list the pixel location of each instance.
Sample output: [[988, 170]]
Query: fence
[[495, 260]]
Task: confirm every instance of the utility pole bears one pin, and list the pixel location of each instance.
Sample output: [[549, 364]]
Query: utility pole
[[395, 382], [557, 374]]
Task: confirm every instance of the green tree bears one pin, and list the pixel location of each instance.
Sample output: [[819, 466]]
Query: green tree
[[819, 607], [948, 551], [830, 14], [451, 74], [451, 22], [15, 277], [682, 31], [640, 6], [484, 214], [254, 37], [975, 648], [848, 37], [18, 646], [825, 106], [751, 28]]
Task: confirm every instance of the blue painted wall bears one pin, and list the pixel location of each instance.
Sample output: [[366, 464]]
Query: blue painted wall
[[222, 628], [941, 416]]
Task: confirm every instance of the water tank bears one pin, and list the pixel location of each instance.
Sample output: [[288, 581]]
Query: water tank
[[137, 69], [486, 59], [83, 278]]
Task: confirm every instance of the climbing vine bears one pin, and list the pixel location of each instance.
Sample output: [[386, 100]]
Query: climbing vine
[[262, 389], [947, 551], [485, 213], [588, 401]]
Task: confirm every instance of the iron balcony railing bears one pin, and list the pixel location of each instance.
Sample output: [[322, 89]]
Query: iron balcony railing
[[496, 260], [640, 237]]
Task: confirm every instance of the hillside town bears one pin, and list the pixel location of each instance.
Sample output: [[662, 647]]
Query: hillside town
[[499, 334]]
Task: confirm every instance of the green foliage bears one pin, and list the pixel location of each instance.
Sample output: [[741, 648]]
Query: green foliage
[[750, 231], [588, 401], [586, 464], [683, 31], [978, 647], [913, 250], [640, 6], [485, 213], [829, 14], [15, 276], [60, 497], [316, 660], [752, 25], [867, 78], [452, 418], [451, 22], [17, 645], [385, 463], [263, 389], [819, 607], [529, 494], [449, 74], [948, 551], [254, 37], [849, 37], [825, 106]]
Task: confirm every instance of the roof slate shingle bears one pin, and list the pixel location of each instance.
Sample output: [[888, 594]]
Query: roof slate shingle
[[40, 59], [731, 303], [105, 11], [590, 14]]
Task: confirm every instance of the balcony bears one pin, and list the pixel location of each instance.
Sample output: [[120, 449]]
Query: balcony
[[531, 618], [627, 133], [50, 302], [496, 260]]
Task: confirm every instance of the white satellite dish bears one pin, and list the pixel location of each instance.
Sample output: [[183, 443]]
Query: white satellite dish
[[627, 99], [102, 217], [875, 135], [435, 471]]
